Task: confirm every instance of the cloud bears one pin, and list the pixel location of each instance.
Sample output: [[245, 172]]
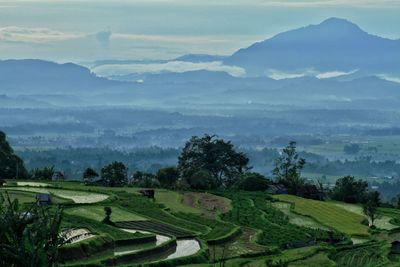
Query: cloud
[[103, 38], [172, 66], [280, 75], [389, 78], [35, 35], [333, 74]]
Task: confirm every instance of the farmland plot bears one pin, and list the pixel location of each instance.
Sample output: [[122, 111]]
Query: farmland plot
[[154, 226], [328, 214], [97, 213], [383, 222], [76, 196]]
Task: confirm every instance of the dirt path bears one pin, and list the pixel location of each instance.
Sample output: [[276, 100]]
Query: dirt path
[[209, 204]]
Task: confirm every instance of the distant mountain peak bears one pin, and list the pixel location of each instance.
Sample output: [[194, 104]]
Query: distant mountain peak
[[335, 44]]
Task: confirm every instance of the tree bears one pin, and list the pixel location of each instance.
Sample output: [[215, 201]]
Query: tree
[[45, 173], [11, 166], [29, 237], [253, 181], [89, 174], [107, 218], [145, 179], [288, 168], [215, 156], [370, 206], [349, 190], [167, 176], [115, 174], [201, 180]]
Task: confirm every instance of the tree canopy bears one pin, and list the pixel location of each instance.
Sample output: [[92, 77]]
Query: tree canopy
[[11, 166], [348, 189], [288, 168], [115, 174], [215, 156]]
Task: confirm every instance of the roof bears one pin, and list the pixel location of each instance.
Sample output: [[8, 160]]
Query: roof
[[43, 197]]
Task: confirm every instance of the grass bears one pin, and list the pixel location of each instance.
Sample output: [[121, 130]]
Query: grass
[[328, 214], [298, 219], [369, 255], [30, 197], [382, 222], [318, 260], [76, 196], [96, 212], [174, 201]]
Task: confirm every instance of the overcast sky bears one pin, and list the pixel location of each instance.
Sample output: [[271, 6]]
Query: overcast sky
[[79, 31]]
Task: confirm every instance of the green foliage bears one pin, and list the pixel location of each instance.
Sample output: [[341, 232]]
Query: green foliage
[[201, 180], [220, 230], [369, 255], [370, 206], [167, 177], [89, 174], [288, 168], [144, 179], [45, 173], [107, 217], [349, 190], [11, 166], [253, 181], [214, 155], [251, 209], [145, 206], [28, 237], [115, 174]]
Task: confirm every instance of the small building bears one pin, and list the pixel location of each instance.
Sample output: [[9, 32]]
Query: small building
[[43, 199], [395, 247], [278, 189]]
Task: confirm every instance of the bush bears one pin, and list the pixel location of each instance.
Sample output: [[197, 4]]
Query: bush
[[253, 182]]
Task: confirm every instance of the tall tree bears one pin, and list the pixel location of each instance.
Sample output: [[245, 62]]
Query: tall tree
[[28, 237], [115, 174], [370, 206], [349, 190], [215, 156], [11, 166], [288, 168], [89, 174], [167, 176]]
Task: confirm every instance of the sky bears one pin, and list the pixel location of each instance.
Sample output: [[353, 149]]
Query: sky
[[84, 31]]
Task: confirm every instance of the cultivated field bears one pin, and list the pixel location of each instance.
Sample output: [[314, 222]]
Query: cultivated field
[[328, 214]]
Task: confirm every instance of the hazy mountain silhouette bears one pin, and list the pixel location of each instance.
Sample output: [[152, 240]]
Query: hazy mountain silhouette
[[335, 44]]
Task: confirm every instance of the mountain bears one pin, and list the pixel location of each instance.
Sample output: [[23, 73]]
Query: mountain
[[33, 76], [335, 44]]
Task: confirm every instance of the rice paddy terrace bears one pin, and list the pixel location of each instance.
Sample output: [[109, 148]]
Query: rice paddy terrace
[[211, 228]]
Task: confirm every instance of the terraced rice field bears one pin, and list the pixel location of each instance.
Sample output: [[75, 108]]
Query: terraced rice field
[[174, 201], [76, 196], [28, 197], [154, 226], [383, 222], [185, 247], [97, 213], [328, 214], [35, 184], [208, 204], [298, 219]]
